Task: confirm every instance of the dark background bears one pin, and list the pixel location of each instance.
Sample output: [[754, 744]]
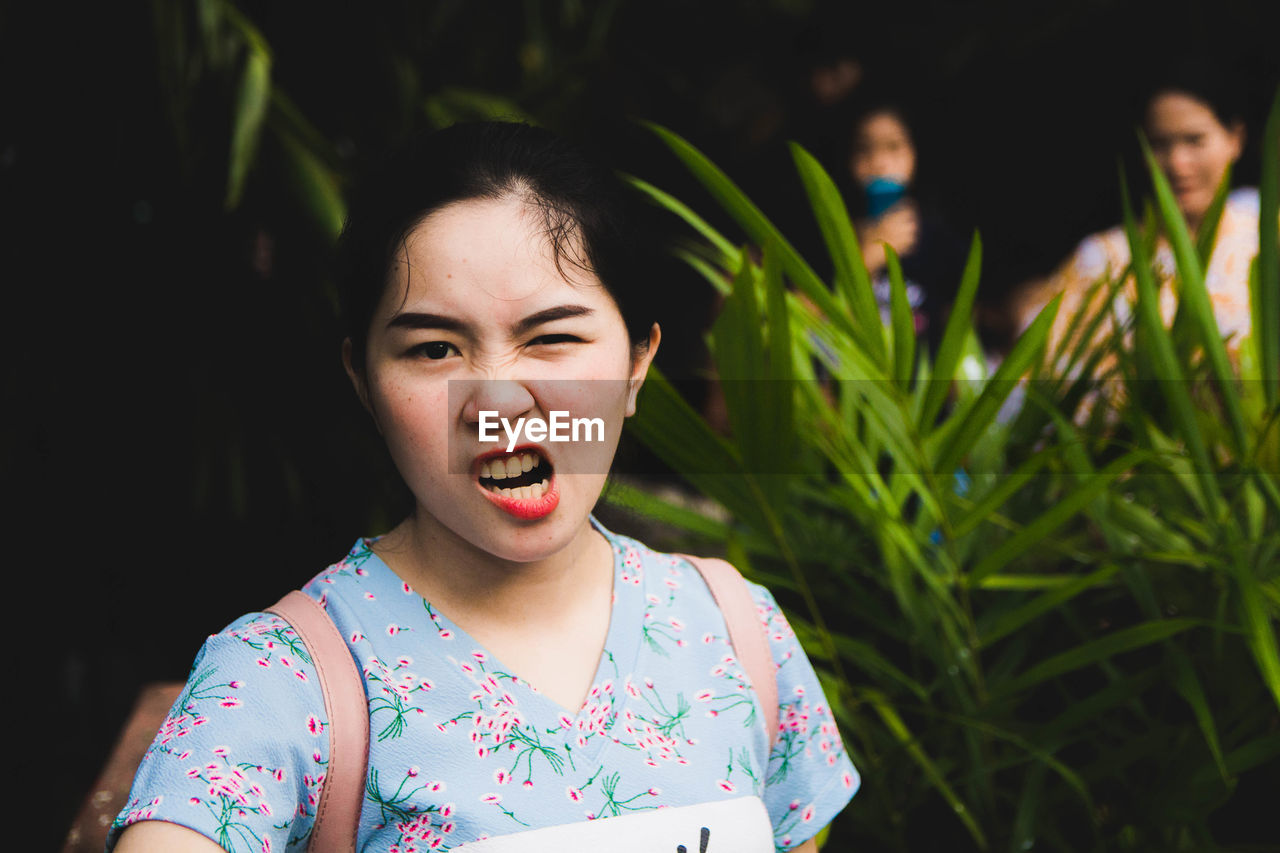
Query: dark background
[[179, 443]]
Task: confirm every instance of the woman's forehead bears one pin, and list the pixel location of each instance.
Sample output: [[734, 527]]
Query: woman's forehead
[[880, 125], [1178, 109], [487, 255]]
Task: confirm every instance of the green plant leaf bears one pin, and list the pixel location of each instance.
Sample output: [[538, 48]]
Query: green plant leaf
[[1187, 683], [1194, 297], [1260, 630], [253, 95], [1008, 485], [865, 656], [1052, 519], [1266, 295], [1011, 621], [842, 245], [452, 104], [959, 325], [898, 727], [902, 321], [756, 225], [1095, 651], [730, 254], [1023, 837], [626, 496], [1207, 234], [780, 434], [1159, 347], [958, 435], [1255, 753], [316, 184]]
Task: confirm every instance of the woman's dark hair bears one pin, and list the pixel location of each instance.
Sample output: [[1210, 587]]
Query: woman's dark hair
[[583, 205], [1204, 80]]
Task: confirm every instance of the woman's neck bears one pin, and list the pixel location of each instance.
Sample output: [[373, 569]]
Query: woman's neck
[[475, 588]]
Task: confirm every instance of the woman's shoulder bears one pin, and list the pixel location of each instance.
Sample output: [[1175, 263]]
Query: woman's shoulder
[[262, 654], [358, 567], [637, 556], [1100, 253], [1244, 201], [665, 576], [243, 749], [807, 763]]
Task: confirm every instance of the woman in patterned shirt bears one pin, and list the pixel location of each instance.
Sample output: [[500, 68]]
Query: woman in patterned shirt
[[534, 681], [1196, 135]]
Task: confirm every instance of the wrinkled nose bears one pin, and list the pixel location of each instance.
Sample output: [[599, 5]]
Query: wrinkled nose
[[507, 398]]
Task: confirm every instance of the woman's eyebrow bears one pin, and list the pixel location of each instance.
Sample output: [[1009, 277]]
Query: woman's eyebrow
[[417, 320], [421, 320], [559, 312]]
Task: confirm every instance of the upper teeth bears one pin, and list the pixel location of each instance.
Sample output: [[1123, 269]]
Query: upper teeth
[[511, 466]]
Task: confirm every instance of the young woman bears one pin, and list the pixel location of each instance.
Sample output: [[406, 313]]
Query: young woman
[[528, 672], [1196, 135]]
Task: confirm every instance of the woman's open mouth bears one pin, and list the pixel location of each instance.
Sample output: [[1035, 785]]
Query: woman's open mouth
[[522, 482]]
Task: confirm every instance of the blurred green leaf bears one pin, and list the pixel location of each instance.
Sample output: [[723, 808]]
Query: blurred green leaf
[[1188, 685], [951, 542], [1008, 622], [1194, 297], [903, 323], [1094, 651], [851, 276], [252, 99], [958, 326], [898, 727], [1266, 299], [756, 225]]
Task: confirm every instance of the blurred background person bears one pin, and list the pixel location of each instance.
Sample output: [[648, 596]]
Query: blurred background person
[[883, 165], [1196, 130]]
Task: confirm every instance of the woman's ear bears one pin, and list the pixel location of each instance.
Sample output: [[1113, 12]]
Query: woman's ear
[[1238, 138], [640, 362], [358, 382]]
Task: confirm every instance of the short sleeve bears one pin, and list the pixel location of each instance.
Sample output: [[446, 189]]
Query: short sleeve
[[809, 778], [242, 753]]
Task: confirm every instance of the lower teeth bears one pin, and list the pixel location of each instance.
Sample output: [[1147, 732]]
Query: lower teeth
[[524, 493]]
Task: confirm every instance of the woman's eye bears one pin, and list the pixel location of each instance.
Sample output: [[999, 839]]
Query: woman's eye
[[545, 340], [434, 350]]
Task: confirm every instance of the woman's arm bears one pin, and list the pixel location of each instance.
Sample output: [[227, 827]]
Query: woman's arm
[[810, 846], [157, 836]]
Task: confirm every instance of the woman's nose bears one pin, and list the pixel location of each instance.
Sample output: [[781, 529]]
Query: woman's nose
[[1181, 159], [507, 398]]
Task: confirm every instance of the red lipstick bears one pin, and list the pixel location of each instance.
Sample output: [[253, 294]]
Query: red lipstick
[[514, 498]]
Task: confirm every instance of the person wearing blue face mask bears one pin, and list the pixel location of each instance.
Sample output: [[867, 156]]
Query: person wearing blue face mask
[[882, 163]]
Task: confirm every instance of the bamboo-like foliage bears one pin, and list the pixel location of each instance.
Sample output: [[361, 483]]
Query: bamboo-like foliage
[[1059, 627]]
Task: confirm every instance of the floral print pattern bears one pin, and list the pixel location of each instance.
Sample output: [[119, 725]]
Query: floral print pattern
[[1107, 254], [462, 750]]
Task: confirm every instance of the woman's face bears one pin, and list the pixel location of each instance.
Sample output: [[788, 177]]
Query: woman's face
[[882, 149], [478, 325], [1193, 149]]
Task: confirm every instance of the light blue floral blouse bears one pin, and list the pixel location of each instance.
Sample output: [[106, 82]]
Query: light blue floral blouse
[[463, 751]]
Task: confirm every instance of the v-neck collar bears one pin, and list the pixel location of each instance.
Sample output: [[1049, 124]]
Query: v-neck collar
[[609, 689]]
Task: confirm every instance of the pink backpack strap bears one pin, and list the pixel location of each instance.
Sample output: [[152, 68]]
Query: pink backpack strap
[[747, 633], [342, 793]]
